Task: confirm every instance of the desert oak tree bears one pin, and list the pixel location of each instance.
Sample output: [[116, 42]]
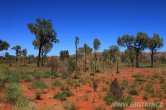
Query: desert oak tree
[[45, 34]]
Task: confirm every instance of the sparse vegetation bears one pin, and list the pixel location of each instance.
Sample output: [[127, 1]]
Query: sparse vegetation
[[69, 106], [83, 74]]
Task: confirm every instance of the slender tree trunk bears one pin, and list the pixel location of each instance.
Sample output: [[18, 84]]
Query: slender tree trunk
[[39, 55], [16, 56], [95, 61], [117, 67], [132, 62], [85, 60], [137, 58], [152, 54], [76, 57]]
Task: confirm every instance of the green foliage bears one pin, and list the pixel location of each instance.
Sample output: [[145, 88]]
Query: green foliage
[[57, 83], [45, 36], [64, 54], [111, 99], [133, 91], [96, 44], [39, 85], [149, 89], [126, 41], [69, 106], [62, 96], [23, 104], [13, 92], [139, 81], [4, 45], [88, 50]]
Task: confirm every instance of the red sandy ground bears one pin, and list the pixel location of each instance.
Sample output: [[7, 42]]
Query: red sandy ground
[[94, 98]]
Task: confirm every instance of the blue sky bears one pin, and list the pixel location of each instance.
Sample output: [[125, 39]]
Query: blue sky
[[89, 19]]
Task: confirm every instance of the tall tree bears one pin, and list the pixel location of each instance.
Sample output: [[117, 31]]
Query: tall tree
[[44, 32], [154, 44], [76, 45], [114, 53], [24, 54], [127, 41], [96, 46], [4, 45], [17, 48], [140, 43]]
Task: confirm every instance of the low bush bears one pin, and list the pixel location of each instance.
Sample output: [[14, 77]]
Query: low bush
[[62, 96], [149, 89], [133, 91], [23, 104], [57, 83], [38, 94], [138, 81], [39, 85], [13, 92]]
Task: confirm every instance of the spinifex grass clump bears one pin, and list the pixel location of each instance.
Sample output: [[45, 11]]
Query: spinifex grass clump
[[13, 92], [39, 85], [62, 96]]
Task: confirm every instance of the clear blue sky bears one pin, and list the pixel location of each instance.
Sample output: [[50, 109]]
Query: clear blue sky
[[89, 19]]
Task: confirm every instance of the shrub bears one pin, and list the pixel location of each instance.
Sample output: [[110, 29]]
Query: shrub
[[133, 91], [62, 96], [69, 106], [39, 85], [139, 81], [13, 92], [109, 100], [26, 76], [148, 88], [23, 104], [57, 83], [37, 95]]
